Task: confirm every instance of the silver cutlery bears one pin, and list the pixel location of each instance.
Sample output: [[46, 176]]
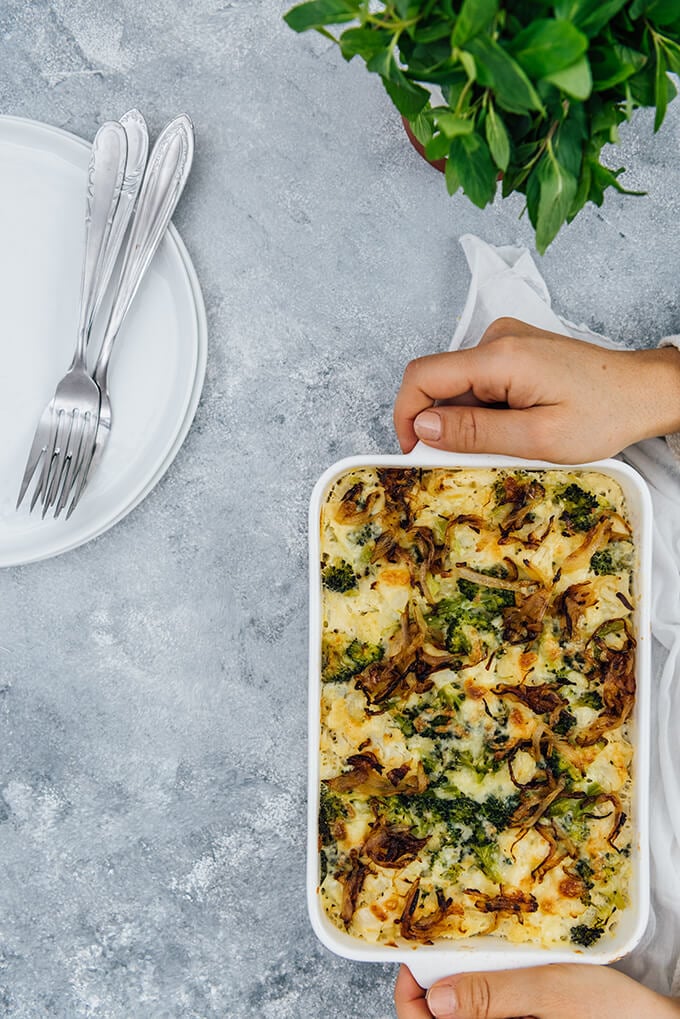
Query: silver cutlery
[[137, 135], [68, 425], [166, 174], [75, 426]]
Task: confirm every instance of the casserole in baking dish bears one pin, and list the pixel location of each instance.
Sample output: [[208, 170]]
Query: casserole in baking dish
[[478, 700]]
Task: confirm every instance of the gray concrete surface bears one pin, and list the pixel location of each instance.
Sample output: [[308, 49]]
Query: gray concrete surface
[[153, 682]]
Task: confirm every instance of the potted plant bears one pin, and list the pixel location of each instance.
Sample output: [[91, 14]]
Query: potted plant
[[530, 89]]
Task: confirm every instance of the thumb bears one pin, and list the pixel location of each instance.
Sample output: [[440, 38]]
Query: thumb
[[527, 433], [496, 995]]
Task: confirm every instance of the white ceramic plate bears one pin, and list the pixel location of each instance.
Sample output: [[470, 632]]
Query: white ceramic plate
[[158, 363]]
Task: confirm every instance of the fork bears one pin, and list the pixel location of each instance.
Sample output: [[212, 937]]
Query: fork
[[137, 136], [166, 174], [68, 425]]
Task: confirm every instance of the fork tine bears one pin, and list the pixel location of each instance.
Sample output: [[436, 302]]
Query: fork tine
[[53, 464], [88, 448], [38, 448], [70, 474], [41, 486], [64, 453]]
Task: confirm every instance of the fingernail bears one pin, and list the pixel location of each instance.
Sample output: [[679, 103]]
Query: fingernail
[[428, 425], [442, 1001]]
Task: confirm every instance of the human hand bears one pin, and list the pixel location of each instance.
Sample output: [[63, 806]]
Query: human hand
[[572, 991], [538, 395]]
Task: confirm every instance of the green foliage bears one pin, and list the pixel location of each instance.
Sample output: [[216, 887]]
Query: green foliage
[[532, 90], [339, 577], [338, 665], [579, 511]]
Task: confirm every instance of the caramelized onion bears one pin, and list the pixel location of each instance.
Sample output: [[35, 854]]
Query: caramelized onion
[[352, 882], [365, 776], [542, 698], [523, 622], [574, 602], [392, 846], [597, 538], [417, 928], [512, 902], [501, 583], [555, 853], [350, 509]]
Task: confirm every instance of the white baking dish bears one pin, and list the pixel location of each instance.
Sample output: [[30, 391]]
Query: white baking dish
[[430, 962]]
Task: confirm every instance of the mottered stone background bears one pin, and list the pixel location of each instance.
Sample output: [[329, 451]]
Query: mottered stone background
[[153, 682]]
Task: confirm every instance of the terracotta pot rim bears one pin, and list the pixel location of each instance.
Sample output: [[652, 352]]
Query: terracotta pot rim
[[438, 164]]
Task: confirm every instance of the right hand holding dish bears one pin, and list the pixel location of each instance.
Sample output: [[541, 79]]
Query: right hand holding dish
[[538, 395]]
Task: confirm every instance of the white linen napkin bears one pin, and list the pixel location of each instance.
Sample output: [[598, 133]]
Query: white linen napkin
[[506, 282]]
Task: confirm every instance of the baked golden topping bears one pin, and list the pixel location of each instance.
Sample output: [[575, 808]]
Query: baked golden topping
[[478, 667]]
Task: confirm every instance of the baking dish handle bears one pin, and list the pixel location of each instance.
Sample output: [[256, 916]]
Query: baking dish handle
[[428, 967], [427, 970], [430, 456]]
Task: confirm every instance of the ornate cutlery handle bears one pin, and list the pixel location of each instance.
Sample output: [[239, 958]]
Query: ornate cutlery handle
[[137, 136], [104, 182], [164, 180]]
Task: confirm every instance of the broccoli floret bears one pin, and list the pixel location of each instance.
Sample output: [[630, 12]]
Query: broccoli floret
[[331, 809], [339, 577], [456, 811], [489, 600], [405, 724], [364, 654], [339, 664], [591, 699], [584, 935], [613, 559], [475, 605], [499, 812], [579, 508], [565, 723], [602, 562], [487, 858], [585, 872], [467, 589], [560, 769], [484, 764], [456, 641], [369, 532], [462, 811]]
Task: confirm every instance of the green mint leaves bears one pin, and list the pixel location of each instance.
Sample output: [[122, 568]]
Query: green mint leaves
[[532, 90]]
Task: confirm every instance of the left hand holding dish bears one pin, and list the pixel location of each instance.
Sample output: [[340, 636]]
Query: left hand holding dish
[[570, 991]]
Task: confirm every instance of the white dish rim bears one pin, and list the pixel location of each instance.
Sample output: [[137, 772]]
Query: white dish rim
[[201, 352], [431, 962]]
